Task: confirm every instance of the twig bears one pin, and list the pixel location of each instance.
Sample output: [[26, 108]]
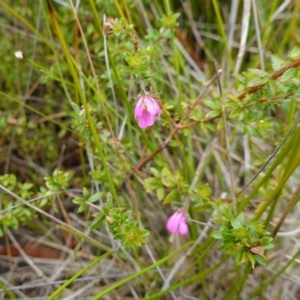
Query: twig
[[209, 119], [290, 205], [274, 75], [25, 256], [177, 127], [266, 162]]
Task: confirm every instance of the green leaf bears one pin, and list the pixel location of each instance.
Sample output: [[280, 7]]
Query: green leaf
[[251, 258], [204, 191], [295, 53], [150, 184], [73, 115], [167, 178], [240, 78], [155, 172], [266, 241], [82, 208], [213, 104], [160, 192], [250, 130], [98, 223], [213, 113], [223, 248], [134, 238], [276, 62], [261, 260], [75, 107], [217, 235], [168, 21], [257, 81], [236, 223], [235, 113], [85, 193], [78, 200], [258, 72], [289, 74], [266, 247], [240, 233], [95, 197], [171, 196], [175, 144]]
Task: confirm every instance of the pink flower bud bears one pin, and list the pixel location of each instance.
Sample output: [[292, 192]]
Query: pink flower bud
[[177, 224], [145, 111]]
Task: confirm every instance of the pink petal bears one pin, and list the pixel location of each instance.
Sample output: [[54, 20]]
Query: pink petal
[[138, 111], [183, 228], [174, 221], [139, 108], [146, 119], [145, 111], [170, 222], [177, 224], [157, 108], [152, 105]]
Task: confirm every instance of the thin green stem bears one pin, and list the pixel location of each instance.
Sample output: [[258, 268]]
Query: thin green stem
[[279, 187], [278, 160], [238, 286], [223, 32], [74, 73]]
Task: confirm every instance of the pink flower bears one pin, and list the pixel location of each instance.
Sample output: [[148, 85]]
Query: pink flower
[[145, 111], [177, 223]]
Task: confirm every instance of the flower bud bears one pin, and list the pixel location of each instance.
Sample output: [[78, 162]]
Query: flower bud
[[177, 224]]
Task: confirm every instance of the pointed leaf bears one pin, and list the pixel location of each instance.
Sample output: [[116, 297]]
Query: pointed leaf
[[95, 197], [75, 107], [261, 260], [276, 62], [171, 196], [289, 74], [295, 53]]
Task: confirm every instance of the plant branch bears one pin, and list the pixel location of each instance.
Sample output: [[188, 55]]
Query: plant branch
[[274, 75], [287, 209], [177, 127]]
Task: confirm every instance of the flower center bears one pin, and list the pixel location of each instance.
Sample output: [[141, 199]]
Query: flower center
[[145, 107]]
